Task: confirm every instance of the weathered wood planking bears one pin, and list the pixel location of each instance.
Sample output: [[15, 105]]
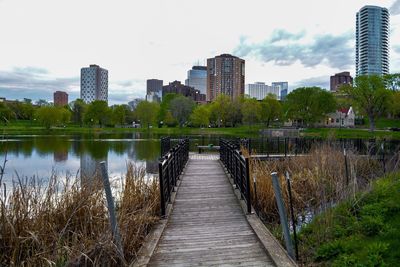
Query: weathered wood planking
[[207, 226]]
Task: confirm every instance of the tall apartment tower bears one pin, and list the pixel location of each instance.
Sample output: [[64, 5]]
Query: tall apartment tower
[[372, 41], [60, 98], [197, 78], [339, 79], [283, 89], [94, 84], [225, 75]]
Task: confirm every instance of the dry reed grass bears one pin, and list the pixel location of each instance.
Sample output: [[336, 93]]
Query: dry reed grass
[[65, 223], [318, 180]]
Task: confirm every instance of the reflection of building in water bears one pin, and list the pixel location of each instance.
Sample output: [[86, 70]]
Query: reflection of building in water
[[152, 166], [90, 167], [60, 156]]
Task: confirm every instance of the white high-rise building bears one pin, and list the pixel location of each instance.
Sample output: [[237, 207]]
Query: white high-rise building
[[260, 90], [283, 89], [94, 84]]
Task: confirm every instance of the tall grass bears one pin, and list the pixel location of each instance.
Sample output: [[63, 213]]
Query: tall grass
[[318, 180], [66, 223]]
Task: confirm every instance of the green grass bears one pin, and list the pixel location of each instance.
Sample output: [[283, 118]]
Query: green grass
[[350, 133], [29, 127], [361, 232]]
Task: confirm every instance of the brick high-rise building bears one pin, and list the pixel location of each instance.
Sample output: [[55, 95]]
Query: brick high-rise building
[[176, 87], [225, 75], [94, 84], [339, 79], [60, 98]]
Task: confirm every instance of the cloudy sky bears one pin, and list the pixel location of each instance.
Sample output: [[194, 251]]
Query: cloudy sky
[[44, 43]]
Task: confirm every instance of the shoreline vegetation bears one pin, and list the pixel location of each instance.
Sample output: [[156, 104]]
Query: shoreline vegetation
[[336, 211], [65, 222], [27, 127]]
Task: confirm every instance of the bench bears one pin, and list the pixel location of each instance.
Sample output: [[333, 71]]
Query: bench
[[210, 147]]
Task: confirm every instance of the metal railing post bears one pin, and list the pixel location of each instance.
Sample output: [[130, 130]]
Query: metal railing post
[[111, 209], [282, 214], [162, 196], [248, 195]]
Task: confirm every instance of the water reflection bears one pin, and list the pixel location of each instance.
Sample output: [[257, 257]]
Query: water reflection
[[78, 155]]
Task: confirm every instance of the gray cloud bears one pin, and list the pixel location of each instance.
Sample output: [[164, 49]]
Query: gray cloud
[[29, 82], [395, 8], [281, 34], [320, 81], [335, 51]]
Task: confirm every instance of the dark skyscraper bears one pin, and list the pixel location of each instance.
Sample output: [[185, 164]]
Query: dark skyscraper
[[372, 41], [225, 75], [339, 79]]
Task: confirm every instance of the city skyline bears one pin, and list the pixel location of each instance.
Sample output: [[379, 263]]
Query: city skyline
[[43, 46]]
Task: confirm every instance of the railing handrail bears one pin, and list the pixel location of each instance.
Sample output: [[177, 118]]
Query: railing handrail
[[238, 167], [170, 167]]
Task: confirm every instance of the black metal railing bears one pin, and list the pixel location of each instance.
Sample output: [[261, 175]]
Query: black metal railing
[[238, 167], [170, 167], [165, 145]]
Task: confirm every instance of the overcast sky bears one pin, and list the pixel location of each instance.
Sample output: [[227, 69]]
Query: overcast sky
[[44, 43]]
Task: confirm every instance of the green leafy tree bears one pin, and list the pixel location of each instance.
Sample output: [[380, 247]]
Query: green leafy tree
[[251, 110], [370, 96], [165, 106], [181, 107], [169, 120], [42, 102], [120, 113], [79, 108], [395, 104], [49, 116], [220, 110], [99, 113], [392, 81], [309, 104], [235, 114], [147, 113], [65, 115], [200, 116], [271, 109], [6, 114]]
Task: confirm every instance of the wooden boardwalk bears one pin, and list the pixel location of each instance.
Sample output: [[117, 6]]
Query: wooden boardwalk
[[207, 226]]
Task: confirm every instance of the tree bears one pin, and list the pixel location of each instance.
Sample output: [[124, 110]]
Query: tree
[[271, 109], [6, 114], [395, 104], [42, 102], [370, 96], [169, 120], [392, 81], [309, 104], [165, 106], [147, 113], [79, 108], [251, 111], [49, 116], [220, 110], [200, 116], [120, 113], [181, 107], [98, 112]]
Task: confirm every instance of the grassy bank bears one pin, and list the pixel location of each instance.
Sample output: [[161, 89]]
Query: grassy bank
[[65, 223], [364, 231], [27, 127], [345, 235]]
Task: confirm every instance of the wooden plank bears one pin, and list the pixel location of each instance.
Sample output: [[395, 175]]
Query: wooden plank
[[207, 226]]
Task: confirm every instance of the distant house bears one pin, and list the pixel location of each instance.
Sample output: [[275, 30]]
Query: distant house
[[343, 117]]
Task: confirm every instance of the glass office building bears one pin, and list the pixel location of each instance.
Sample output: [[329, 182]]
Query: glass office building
[[372, 41]]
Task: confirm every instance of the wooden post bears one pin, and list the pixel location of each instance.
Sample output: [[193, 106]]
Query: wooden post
[[111, 209]]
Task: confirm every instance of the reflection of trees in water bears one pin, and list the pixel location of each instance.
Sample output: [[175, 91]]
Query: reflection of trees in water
[[96, 146], [147, 149]]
